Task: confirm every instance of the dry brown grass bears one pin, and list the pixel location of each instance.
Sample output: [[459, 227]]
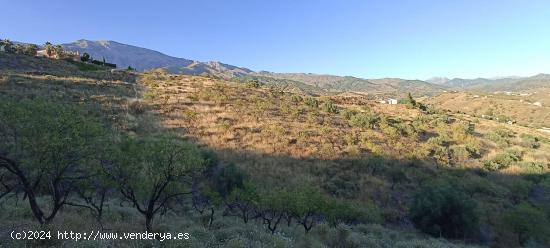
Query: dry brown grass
[[519, 108]]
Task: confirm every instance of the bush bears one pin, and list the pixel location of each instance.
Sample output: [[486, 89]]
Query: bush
[[533, 167], [443, 210], [296, 98], [252, 84], [530, 141], [365, 120], [503, 160], [312, 102], [87, 67], [501, 136], [329, 107], [137, 107], [347, 114], [527, 222]]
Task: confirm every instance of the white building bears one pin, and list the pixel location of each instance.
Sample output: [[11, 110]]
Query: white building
[[2, 48], [392, 101]]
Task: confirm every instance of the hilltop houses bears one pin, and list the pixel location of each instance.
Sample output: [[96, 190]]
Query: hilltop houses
[[389, 101], [67, 55]]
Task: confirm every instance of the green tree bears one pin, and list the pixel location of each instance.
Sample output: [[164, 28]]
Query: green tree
[[244, 200], [441, 209], [365, 120], [85, 57], [273, 206], [527, 222], [411, 100], [215, 191], [329, 107], [49, 49], [58, 50], [153, 171], [306, 205], [31, 49], [47, 147], [8, 45], [19, 49]]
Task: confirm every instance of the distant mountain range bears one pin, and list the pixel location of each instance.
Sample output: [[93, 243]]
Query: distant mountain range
[[493, 84], [145, 59]]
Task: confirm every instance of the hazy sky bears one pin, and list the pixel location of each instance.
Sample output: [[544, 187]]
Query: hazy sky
[[370, 39]]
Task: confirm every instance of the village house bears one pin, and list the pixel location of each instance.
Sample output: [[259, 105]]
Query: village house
[[2, 48], [68, 55], [388, 101]]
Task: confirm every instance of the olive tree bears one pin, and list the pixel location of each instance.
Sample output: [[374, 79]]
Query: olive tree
[[152, 171], [31, 49], [59, 51], [8, 45], [47, 147], [527, 222], [443, 209], [19, 49], [49, 49]]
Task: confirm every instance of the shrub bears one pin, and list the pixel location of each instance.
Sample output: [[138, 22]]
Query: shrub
[[348, 114], [151, 94], [329, 107], [533, 167], [501, 136], [85, 57], [252, 84], [530, 141], [312, 102], [442, 209], [365, 120], [342, 183], [464, 152], [137, 107], [296, 98], [59, 142], [87, 67], [527, 222], [503, 160]]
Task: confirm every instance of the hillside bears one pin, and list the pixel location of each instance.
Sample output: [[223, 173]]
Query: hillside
[[145, 59], [494, 84], [521, 107], [347, 147], [388, 86]]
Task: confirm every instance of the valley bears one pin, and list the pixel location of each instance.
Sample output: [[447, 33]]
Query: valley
[[386, 163]]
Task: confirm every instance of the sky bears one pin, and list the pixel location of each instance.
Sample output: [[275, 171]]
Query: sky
[[369, 39]]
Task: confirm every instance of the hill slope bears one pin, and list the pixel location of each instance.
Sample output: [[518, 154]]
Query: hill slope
[[145, 59], [384, 159], [387, 86], [496, 84]]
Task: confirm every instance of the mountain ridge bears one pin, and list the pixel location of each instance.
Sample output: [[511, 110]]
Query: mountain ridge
[[145, 59]]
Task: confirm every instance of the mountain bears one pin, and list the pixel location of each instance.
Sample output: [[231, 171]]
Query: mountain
[[389, 86], [145, 59], [498, 84], [438, 80]]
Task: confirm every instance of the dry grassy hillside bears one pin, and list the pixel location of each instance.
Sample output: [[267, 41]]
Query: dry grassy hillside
[[520, 108], [347, 146]]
